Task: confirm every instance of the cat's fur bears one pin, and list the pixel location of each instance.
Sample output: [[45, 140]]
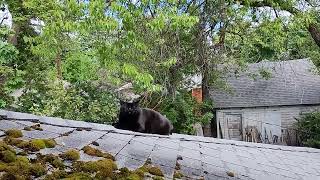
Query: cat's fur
[[134, 118]]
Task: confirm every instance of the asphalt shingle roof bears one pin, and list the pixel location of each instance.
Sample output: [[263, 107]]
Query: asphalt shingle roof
[[293, 82], [198, 157]]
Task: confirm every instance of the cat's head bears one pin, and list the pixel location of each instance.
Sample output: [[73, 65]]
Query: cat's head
[[130, 107]]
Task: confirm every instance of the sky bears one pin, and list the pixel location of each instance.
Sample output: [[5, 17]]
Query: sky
[[6, 14]]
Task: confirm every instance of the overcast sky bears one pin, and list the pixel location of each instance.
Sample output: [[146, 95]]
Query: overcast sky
[[6, 14]]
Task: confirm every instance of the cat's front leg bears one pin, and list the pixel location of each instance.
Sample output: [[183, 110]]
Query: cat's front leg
[[141, 129]]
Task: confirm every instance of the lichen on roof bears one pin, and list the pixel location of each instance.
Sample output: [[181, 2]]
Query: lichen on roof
[[14, 166]]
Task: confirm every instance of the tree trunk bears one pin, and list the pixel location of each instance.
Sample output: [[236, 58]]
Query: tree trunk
[[205, 84], [315, 33], [14, 38], [58, 66]]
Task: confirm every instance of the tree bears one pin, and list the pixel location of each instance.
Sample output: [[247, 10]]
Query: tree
[[308, 129]]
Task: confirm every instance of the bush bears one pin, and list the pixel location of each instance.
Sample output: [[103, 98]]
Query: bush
[[184, 111], [81, 101], [308, 129]]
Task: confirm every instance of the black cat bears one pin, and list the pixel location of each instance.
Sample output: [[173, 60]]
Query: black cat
[[134, 118]]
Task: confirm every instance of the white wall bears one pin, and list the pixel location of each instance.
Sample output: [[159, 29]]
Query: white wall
[[273, 120]]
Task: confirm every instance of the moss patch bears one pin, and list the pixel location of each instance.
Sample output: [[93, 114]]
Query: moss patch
[[32, 145], [50, 143], [4, 146], [14, 133], [78, 176], [12, 141], [157, 178], [8, 156], [18, 167], [37, 170], [177, 175], [155, 171], [53, 160], [71, 155], [96, 152], [103, 168], [38, 143], [59, 174]]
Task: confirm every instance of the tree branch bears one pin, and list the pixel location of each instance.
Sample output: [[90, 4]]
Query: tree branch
[[315, 33], [282, 4]]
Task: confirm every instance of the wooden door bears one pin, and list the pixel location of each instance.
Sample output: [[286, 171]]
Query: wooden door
[[234, 125]]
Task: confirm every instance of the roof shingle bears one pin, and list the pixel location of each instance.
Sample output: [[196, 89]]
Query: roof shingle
[[292, 82], [197, 156]]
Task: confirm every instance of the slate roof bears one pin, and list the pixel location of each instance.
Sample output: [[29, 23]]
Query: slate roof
[[198, 157], [293, 82]]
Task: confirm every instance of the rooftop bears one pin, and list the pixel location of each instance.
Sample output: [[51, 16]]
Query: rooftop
[[293, 82], [198, 157]]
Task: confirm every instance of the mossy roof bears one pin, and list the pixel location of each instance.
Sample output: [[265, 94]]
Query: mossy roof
[[196, 157]]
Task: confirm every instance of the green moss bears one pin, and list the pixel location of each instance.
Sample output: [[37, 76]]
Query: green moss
[[53, 160], [134, 177], [37, 170], [96, 152], [177, 174], [19, 168], [12, 141], [22, 153], [71, 155], [22, 159], [8, 156], [15, 133], [4, 146], [27, 129], [78, 176], [9, 176], [60, 174], [104, 168], [3, 166], [139, 172], [143, 168], [50, 143], [155, 171], [33, 145], [39, 143], [57, 163], [157, 178]]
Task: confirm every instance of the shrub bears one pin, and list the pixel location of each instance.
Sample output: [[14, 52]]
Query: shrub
[[308, 129], [184, 111]]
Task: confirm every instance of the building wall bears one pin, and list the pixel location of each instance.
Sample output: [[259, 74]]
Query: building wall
[[197, 94], [269, 121]]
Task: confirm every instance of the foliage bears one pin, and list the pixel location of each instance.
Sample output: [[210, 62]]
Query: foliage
[[153, 44], [9, 77], [308, 129], [184, 111], [83, 101]]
